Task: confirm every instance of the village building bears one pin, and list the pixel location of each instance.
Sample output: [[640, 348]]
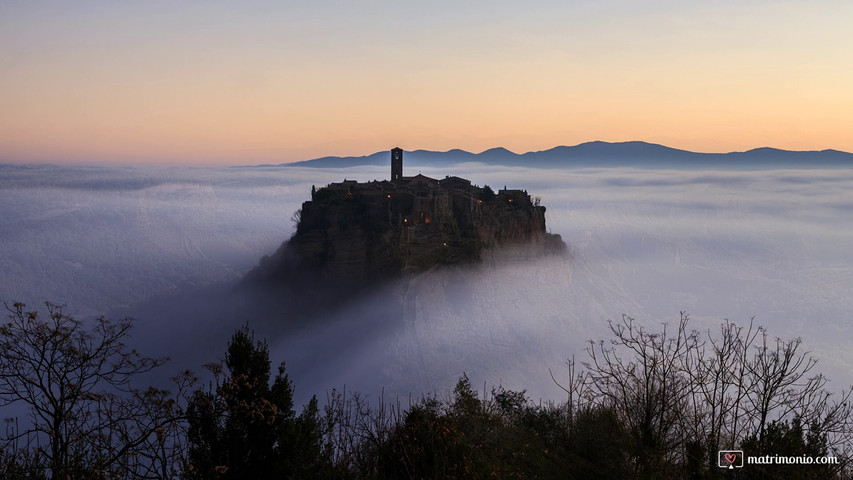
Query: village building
[[413, 222], [417, 199]]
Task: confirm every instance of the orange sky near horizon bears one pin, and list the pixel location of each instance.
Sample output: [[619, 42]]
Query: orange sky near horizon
[[232, 84]]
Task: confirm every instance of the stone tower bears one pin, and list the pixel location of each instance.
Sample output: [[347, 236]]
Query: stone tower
[[396, 163]]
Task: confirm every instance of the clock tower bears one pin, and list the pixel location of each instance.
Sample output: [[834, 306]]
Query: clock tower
[[396, 163]]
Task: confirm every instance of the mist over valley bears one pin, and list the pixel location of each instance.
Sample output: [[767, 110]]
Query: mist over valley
[[169, 245]]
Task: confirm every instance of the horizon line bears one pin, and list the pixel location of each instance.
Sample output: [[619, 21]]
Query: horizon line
[[175, 163], [560, 146]]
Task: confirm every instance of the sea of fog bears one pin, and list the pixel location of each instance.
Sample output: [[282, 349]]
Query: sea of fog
[[167, 246]]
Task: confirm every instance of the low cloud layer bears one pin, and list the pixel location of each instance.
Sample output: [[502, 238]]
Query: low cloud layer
[[773, 244]]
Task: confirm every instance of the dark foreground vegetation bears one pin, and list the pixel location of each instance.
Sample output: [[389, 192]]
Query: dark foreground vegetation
[[644, 405]]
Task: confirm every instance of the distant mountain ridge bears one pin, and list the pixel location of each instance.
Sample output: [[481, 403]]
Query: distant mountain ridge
[[602, 154]]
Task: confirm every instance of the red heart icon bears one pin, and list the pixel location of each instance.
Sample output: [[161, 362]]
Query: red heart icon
[[730, 457]]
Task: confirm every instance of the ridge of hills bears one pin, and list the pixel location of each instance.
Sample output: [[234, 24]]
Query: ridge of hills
[[601, 154]]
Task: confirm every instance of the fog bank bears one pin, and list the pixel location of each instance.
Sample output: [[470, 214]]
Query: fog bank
[[167, 246]]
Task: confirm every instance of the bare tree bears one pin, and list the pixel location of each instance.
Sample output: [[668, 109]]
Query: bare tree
[[85, 416], [640, 376], [576, 388], [684, 396], [780, 385], [296, 218], [716, 368]]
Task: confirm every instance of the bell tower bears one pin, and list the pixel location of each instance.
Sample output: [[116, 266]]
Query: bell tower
[[396, 163]]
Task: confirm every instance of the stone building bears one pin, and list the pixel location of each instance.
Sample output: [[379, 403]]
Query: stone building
[[412, 222]]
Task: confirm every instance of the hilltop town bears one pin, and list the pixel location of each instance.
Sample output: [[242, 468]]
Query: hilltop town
[[411, 223]]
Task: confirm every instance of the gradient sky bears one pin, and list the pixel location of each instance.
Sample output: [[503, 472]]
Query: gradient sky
[[256, 82]]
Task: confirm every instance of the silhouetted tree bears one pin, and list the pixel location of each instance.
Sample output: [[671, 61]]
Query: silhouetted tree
[[789, 439], [683, 398], [246, 427], [87, 421], [640, 376]]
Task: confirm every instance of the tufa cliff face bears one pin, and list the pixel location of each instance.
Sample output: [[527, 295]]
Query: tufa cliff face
[[363, 231]]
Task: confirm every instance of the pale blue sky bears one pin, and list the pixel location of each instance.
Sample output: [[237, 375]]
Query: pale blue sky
[[228, 82]]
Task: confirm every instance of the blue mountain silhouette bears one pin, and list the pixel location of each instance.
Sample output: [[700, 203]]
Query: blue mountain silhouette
[[604, 154]]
